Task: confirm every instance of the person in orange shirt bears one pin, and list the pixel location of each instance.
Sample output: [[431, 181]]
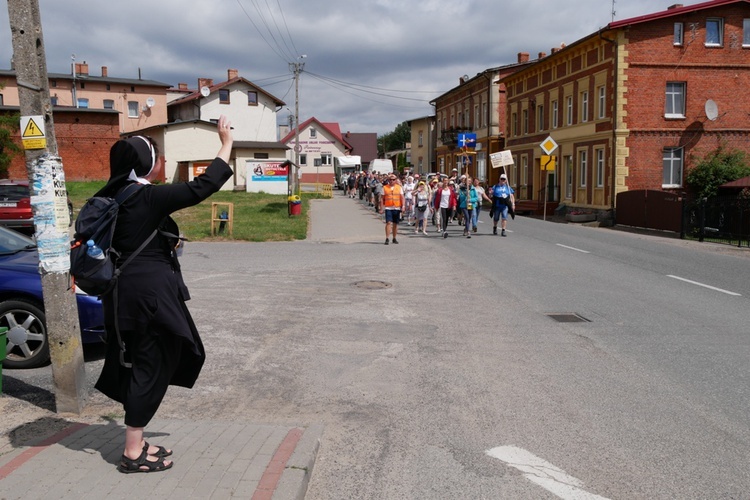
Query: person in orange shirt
[[392, 202]]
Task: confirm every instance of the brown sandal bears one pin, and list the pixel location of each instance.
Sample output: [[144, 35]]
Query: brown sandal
[[130, 466]]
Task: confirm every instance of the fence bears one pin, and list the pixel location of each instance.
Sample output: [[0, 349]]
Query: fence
[[722, 219], [317, 187]]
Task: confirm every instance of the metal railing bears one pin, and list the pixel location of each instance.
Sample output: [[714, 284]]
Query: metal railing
[[723, 219], [318, 188]]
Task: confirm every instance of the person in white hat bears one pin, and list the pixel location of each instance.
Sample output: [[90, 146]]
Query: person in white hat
[[503, 201]]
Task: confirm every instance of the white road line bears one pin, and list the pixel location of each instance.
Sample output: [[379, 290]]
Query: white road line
[[543, 473], [705, 286], [572, 248]]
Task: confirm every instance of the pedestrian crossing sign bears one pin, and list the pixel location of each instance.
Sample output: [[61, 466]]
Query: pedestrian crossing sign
[[32, 132]]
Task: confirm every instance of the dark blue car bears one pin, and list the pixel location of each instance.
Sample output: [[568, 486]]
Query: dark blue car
[[22, 306]]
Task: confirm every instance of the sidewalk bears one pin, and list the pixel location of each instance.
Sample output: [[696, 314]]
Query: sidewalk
[[240, 460]]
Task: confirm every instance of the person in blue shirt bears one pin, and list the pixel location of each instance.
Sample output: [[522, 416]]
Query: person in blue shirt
[[502, 200], [467, 202]]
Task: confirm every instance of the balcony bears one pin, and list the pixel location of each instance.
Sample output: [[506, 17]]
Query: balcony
[[449, 136]]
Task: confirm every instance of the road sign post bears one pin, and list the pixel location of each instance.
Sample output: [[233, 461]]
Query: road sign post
[[548, 145]]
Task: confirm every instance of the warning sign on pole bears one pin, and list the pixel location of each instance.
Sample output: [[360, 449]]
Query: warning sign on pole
[[32, 132]]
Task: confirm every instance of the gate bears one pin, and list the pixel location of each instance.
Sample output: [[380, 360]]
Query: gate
[[650, 209]]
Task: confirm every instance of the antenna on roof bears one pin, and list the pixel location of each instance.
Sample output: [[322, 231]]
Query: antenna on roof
[[613, 10]]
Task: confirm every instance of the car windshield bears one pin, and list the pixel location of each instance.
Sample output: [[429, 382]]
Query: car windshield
[[13, 242], [13, 192]]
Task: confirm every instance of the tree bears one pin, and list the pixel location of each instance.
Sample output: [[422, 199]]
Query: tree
[[395, 140], [8, 148], [716, 168]]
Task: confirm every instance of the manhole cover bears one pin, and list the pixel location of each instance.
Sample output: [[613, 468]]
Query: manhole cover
[[568, 318], [372, 285]]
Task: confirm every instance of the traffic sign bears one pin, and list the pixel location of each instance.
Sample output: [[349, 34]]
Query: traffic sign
[[548, 145]]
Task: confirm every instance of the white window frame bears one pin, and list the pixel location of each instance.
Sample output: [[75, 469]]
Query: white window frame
[[600, 168], [108, 104], [313, 133], [679, 34], [602, 102], [746, 32], [82, 102], [326, 159], [582, 167], [672, 167], [719, 22], [585, 106], [524, 170], [476, 116], [555, 112], [133, 109], [481, 165], [675, 94], [484, 114], [569, 110]]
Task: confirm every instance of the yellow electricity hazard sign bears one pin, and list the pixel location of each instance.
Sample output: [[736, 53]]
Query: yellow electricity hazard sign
[[32, 132]]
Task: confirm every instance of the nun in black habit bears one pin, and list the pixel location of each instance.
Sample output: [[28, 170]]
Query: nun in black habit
[[161, 343]]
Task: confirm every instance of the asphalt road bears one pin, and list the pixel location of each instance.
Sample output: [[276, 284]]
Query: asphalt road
[[444, 376]]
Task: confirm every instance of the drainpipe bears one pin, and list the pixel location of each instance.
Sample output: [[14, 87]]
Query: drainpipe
[[614, 122]]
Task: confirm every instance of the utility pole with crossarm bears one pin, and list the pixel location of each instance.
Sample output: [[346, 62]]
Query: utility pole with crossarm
[[48, 204]]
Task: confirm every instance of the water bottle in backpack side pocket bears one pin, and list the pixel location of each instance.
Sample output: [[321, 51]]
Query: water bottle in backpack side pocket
[[94, 251]]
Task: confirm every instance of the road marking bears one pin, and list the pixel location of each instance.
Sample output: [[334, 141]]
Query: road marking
[[705, 286], [573, 248], [543, 473]]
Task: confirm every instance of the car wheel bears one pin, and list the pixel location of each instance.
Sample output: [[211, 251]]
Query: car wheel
[[27, 345]]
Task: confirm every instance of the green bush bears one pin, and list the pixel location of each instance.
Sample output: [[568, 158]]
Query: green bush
[[715, 169]]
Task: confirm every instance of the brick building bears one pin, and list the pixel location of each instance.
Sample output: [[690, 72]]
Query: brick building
[[633, 105]]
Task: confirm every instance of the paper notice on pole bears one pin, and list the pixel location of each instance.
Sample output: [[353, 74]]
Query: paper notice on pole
[[501, 159]]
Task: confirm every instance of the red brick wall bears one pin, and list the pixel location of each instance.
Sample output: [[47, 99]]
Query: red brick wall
[[83, 143]]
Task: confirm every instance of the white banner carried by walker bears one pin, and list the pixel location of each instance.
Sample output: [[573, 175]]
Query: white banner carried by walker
[[501, 158]]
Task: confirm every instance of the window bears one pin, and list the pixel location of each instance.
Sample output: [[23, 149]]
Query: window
[[132, 109], [420, 140], [484, 114], [584, 106], [525, 121], [746, 32], [514, 124], [326, 158], [82, 102], [678, 37], [525, 170], [52, 100], [602, 101], [569, 115], [466, 118], [260, 156], [224, 96], [599, 168], [313, 133], [568, 177], [582, 167], [554, 114], [317, 162], [675, 107], [303, 159], [540, 117], [1, 101], [109, 104], [476, 116], [482, 165], [108, 87], [672, 167], [252, 98], [714, 32]]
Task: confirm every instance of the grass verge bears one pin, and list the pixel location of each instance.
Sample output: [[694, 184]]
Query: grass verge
[[257, 216]]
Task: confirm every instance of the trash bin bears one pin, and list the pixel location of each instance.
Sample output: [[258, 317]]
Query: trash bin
[[295, 205], [3, 341]]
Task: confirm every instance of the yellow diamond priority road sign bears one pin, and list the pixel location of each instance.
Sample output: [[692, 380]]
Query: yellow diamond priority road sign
[[32, 132], [548, 145]]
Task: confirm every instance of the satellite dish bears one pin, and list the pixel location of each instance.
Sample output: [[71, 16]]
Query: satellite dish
[[466, 77], [150, 102], [205, 91], [712, 110]]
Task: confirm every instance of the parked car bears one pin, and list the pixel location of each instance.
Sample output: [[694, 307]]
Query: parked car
[[15, 205], [22, 306]]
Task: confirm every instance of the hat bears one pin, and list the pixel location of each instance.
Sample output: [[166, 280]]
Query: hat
[[416, 176], [463, 176], [503, 176], [421, 183], [455, 170]]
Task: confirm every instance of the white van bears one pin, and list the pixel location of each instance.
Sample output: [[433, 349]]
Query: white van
[[381, 166]]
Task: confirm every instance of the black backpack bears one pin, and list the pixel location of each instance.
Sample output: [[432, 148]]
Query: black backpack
[[96, 221]]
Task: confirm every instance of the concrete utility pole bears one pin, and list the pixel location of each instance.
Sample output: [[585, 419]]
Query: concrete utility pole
[[296, 68], [48, 203]]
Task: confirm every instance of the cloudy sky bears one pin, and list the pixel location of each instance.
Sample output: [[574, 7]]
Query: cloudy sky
[[369, 65]]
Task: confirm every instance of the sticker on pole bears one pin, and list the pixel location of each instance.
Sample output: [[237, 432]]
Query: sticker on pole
[[32, 132]]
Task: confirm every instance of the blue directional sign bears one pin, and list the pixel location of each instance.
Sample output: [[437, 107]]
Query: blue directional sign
[[467, 140]]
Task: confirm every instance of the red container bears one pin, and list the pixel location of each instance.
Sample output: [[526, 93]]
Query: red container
[[295, 208]]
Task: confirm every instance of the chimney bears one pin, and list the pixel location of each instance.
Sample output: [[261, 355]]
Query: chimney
[[182, 86], [82, 68], [207, 82], [675, 6], [555, 50], [232, 73], [104, 72], [523, 57], [542, 55]]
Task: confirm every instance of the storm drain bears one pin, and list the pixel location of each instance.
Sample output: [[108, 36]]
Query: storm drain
[[372, 285], [568, 318]]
